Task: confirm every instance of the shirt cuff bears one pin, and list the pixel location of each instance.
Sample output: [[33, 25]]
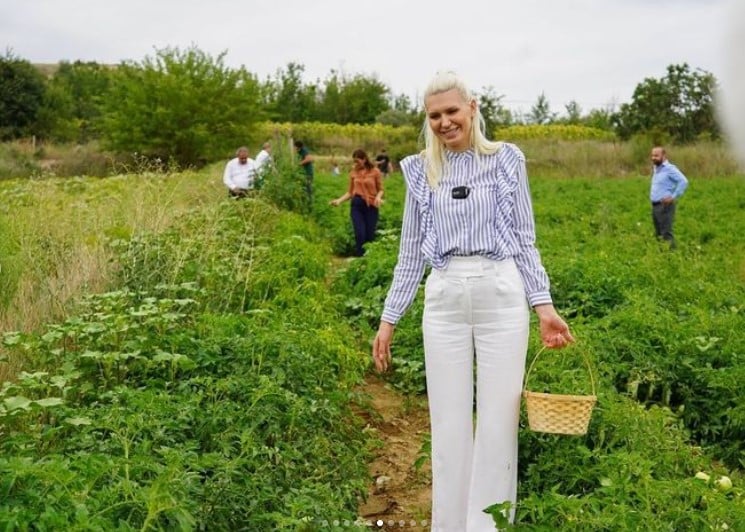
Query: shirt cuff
[[540, 298], [390, 316]]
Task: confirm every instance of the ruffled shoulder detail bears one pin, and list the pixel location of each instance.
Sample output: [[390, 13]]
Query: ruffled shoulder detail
[[511, 161], [416, 179], [510, 165], [412, 167], [417, 185]]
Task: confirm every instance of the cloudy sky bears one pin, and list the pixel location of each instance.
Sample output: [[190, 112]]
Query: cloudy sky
[[591, 51]]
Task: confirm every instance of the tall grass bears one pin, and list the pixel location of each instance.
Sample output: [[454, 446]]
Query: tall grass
[[602, 159], [28, 159], [17, 160], [57, 234]]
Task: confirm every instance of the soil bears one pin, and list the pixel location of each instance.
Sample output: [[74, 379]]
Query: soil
[[399, 497]]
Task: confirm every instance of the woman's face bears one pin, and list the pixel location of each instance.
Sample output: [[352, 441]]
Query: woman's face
[[450, 118], [359, 162]]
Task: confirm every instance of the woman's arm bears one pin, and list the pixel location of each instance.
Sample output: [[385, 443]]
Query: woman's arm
[[528, 259], [340, 199]]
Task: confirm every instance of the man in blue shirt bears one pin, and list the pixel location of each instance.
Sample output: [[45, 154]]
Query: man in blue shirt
[[668, 184]]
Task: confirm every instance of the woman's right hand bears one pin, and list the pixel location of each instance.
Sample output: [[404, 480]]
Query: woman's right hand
[[382, 346], [554, 330]]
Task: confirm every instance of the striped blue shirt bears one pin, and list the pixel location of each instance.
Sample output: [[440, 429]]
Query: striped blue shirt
[[667, 180], [495, 220]]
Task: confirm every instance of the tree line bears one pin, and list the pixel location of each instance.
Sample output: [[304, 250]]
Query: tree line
[[186, 105]]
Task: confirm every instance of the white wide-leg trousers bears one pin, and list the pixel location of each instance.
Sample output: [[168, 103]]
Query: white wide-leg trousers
[[475, 305]]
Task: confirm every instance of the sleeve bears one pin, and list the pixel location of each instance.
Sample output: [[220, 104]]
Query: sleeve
[[528, 260], [681, 183], [410, 266], [227, 177]]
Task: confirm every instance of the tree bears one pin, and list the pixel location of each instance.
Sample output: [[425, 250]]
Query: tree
[[364, 98], [358, 100], [494, 112], [541, 113], [402, 102], [73, 100], [288, 98], [599, 118], [679, 105], [181, 104], [394, 117], [400, 112], [22, 91], [574, 112]]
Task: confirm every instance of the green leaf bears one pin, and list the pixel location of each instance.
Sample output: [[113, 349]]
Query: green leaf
[[49, 401], [17, 402], [162, 356], [11, 338], [77, 421], [59, 381], [52, 336], [36, 376]]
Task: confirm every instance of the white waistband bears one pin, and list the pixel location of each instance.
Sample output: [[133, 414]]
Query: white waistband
[[473, 266]]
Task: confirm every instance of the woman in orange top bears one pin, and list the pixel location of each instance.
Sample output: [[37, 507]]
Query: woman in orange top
[[366, 193]]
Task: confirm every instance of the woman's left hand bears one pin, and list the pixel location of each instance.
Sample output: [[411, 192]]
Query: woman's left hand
[[554, 330]]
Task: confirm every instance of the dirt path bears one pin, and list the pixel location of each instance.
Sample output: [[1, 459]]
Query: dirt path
[[400, 494]]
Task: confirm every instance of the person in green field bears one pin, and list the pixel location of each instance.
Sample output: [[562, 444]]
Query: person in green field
[[306, 161], [668, 185], [365, 193], [240, 174], [468, 214], [383, 162]]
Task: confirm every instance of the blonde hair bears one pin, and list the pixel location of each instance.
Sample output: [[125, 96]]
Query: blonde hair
[[435, 162]]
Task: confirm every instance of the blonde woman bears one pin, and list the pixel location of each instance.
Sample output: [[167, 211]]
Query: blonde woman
[[468, 215]]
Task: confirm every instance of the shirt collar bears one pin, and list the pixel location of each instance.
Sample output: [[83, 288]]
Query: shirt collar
[[459, 155], [664, 164]]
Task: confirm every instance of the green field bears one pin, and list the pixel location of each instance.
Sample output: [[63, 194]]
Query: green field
[[190, 362]]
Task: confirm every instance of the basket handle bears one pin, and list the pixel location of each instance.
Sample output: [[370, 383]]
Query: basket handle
[[541, 350]]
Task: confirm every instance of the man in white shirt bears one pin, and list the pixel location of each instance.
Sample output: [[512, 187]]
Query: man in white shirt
[[264, 158], [263, 164], [239, 174]]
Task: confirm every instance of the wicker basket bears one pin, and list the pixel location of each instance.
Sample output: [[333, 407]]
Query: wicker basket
[[555, 413]]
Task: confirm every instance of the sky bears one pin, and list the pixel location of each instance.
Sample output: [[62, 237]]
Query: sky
[[594, 52]]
